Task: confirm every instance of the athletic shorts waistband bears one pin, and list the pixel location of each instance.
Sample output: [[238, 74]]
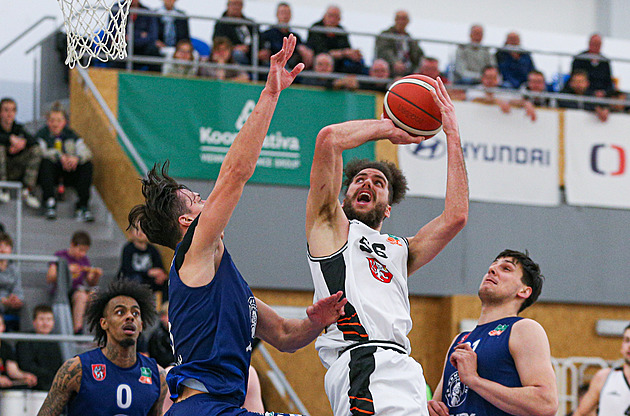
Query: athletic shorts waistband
[[389, 345]]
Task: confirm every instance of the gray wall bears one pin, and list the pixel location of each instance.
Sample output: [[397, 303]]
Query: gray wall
[[582, 251]]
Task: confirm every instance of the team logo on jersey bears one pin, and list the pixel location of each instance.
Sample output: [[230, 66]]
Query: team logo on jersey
[[498, 330], [379, 271], [145, 375], [392, 239], [456, 391], [99, 371], [253, 314]]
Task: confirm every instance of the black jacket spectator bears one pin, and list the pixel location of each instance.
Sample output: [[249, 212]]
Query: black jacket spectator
[[40, 358]]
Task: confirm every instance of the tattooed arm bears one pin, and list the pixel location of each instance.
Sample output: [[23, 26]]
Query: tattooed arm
[[156, 409], [65, 385]]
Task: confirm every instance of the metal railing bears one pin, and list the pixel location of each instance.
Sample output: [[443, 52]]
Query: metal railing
[[26, 32], [17, 246], [61, 303]]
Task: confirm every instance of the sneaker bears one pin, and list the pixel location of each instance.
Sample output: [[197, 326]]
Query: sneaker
[[4, 197], [51, 209], [30, 199], [84, 214], [87, 215]]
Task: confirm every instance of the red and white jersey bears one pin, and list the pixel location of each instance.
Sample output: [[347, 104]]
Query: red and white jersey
[[614, 399], [371, 270]]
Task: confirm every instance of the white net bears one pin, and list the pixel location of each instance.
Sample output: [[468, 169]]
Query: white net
[[95, 29]]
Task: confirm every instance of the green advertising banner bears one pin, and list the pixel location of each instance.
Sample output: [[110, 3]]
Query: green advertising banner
[[192, 122]]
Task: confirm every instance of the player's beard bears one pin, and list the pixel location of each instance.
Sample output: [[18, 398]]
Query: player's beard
[[373, 218], [127, 342]]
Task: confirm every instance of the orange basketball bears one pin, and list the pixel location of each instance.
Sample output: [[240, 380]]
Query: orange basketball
[[409, 104]]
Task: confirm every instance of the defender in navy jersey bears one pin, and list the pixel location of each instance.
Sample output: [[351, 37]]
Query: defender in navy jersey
[[609, 389], [213, 314], [367, 352], [112, 379], [503, 366]]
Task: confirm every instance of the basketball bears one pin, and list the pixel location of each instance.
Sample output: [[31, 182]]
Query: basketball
[[409, 104]]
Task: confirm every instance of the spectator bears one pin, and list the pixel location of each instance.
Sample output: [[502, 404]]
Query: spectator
[[11, 292], [172, 26], [66, 157], [42, 358], [84, 276], [472, 58], [271, 40], [487, 92], [239, 34], [10, 373], [337, 44], [141, 261], [19, 154], [324, 64], [185, 60], [222, 53], [579, 85], [160, 341], [402, 54], [380, 70], [596, 65], [536, 83], [431, 68], [514, 63], [145, 36]]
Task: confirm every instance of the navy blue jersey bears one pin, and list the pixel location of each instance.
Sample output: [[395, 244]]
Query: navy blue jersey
[[212, 328], [107, 389], [494, 362]]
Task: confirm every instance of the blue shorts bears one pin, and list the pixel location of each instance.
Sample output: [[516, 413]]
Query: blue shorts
[[205, 405]]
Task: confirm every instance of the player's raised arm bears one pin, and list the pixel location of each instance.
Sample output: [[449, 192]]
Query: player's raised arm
[[240, 160], [326, 224], [434, 236], [66, 383]]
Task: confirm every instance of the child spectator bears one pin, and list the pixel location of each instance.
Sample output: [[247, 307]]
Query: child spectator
[[10, 373], [140, 261], [41, 358], [222, 54], [66, 157], [84, 276], [185, 61], [11, 293], [160, 341]]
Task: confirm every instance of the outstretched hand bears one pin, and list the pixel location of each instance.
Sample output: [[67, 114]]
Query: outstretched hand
[[327, 311], [279, 77], [447, 109]]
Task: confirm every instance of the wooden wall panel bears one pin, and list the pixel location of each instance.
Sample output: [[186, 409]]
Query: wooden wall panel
[[570, 327]]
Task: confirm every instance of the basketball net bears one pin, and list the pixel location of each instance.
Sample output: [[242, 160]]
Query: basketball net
[[95, 29]]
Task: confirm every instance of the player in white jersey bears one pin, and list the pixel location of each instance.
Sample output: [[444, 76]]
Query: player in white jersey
[[366, 352], [609, 391]]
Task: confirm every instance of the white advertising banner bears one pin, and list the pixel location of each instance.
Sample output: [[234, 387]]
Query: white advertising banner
[[509, 158], [595, 160]]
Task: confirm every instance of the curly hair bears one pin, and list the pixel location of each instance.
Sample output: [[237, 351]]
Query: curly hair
[[397, 183], [531, 274], [158, 216], [123, 287]]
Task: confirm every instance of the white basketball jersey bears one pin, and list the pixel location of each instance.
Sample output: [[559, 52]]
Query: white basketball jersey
[[614, 399], [371, 270]]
